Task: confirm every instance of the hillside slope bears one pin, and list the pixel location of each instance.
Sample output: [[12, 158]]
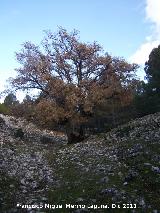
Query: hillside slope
[[119, 167]]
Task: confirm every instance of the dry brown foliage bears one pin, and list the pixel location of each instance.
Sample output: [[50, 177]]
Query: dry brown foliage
[[73, 77]]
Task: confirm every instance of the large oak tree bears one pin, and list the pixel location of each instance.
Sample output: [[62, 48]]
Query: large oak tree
[[74, 77]]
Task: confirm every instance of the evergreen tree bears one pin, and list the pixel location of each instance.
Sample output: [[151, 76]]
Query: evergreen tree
[[152, 69], [10, 100], [147, 100]]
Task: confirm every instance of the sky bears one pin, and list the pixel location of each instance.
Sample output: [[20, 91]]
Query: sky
[[125, 28]]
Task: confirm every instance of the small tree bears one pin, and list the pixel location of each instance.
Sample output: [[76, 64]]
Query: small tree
[[10, 100], [73, 78], [24, 109], [3, 109], [27, 98]]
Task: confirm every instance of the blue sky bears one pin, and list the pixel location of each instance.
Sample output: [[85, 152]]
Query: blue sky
[[127, 28]]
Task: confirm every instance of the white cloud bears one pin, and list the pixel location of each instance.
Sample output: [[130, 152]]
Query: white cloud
[[151, 41], [142, 54], [153, 12]]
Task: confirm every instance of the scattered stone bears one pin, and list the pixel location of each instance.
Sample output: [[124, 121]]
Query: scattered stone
[[11, 186], [110, 191], [44, 199], [10, 152], [131, 175], [142, 202], [79, 200], [125, 183], [155, 211], [104, 180], [155, 169], [23, 181], [120, 174], [147, 164]]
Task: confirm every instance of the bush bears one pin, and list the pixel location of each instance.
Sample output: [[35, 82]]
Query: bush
[[4, 109]]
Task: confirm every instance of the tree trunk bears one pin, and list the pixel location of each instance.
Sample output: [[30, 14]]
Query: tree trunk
[[75, 136]]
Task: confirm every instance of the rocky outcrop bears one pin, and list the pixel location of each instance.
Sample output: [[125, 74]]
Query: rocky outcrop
[[20, 128], [146, 128], [121, 166], [24, 169], [123, 163]]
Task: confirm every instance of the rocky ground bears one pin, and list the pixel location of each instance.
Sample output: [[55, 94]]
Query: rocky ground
[[120, 167]]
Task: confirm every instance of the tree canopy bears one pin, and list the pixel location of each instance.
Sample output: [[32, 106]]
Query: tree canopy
[[73, 77], [152, 69], [10, 100], [148, 99]]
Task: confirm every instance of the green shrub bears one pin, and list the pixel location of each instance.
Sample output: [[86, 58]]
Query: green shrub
[[4, 109]]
